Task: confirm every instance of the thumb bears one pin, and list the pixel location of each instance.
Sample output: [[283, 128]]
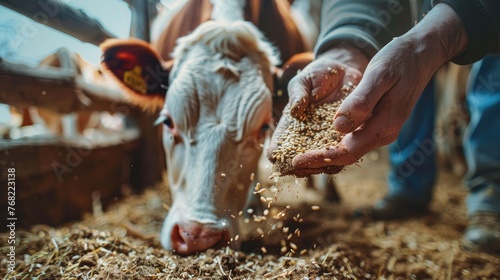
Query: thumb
[[357, 107]]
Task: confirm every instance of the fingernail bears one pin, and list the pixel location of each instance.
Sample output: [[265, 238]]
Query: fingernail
[[343, 124], [295, 108]]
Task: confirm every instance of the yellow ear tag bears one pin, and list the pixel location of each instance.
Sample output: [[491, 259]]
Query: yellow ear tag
[[134, 79]]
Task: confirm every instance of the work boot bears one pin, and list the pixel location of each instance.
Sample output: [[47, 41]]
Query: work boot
[[392, 207], [483, 233]]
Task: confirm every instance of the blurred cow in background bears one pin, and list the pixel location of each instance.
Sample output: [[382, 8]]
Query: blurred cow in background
[[213, 72]]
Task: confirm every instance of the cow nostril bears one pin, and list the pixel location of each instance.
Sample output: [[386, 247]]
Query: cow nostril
[[178, 242]]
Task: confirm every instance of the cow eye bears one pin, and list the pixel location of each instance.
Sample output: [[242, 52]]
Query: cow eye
[[263, 129], [166, 120]]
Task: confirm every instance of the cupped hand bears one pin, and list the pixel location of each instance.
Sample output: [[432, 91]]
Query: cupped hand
[[320, 82]]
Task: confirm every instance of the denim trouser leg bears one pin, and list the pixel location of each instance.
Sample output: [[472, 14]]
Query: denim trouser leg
[[482, 137], [413, 155]]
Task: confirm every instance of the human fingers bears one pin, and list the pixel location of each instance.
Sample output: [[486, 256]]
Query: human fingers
[[376, 132], [315, 83], [378, 79], [281, 127], [331, 169]]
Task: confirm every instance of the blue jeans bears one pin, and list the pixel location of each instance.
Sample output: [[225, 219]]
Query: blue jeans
[[412, 156], [482, 137]]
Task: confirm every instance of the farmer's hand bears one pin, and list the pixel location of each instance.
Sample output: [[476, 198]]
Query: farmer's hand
[[373, 114], [319, 82]]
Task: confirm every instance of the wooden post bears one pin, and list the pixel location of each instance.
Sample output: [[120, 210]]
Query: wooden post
[[151, 159], [140, 19]]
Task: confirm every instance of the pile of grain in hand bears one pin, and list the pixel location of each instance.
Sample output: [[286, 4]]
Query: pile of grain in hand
[[313, 131]]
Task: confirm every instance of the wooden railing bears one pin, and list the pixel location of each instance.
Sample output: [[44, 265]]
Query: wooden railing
[[62, 17], [60, 90]]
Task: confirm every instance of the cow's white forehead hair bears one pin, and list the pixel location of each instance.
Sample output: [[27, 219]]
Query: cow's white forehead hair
[[203, 99], [235, 40], [222, 76]]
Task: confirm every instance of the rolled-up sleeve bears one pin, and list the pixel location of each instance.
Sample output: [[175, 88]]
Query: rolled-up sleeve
[[365, 24], [481, 20]]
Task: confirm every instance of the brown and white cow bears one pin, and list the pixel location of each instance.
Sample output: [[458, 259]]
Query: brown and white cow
[[217, 109]]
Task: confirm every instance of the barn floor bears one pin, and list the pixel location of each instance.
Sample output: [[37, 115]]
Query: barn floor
[[122, 242]]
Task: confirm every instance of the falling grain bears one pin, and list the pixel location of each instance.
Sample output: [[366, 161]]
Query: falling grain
[[283, 249]]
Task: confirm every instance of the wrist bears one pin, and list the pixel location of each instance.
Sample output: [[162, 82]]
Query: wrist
[[440, 32]]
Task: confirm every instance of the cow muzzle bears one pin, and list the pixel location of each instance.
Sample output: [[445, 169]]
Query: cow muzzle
[[191, 237]]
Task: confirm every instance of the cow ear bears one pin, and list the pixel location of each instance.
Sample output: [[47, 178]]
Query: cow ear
[[138, 69], [283, 76]]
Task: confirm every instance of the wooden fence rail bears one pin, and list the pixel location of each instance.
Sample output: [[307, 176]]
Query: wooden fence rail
[[62, 17], [56, 89]]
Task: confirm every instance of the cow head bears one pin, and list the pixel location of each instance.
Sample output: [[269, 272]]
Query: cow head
[[215, 114]]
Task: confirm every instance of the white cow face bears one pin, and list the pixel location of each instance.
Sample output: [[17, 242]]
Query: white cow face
[[216, 114], [217, 110], [214, 129]]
